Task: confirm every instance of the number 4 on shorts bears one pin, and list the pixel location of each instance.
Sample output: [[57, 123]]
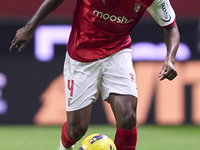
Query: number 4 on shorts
[[71, 86]]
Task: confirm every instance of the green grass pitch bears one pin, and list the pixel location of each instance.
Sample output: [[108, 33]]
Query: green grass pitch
[[150, 137]]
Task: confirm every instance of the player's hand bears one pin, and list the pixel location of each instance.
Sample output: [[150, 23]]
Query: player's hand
[[168, 71], [22, 38]]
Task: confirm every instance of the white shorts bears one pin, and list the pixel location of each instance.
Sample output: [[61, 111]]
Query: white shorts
[[113, 74]]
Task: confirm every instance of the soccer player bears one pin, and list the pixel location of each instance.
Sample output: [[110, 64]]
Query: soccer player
[[99, 56]]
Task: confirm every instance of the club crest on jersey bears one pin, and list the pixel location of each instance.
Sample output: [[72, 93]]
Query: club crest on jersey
[[137, 7]]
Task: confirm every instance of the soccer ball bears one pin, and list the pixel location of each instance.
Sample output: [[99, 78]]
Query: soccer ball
[[97, 142]]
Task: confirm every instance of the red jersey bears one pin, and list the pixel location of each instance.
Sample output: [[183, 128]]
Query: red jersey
[[102, 27]]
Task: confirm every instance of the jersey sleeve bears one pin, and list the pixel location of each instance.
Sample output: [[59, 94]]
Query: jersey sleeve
[[163, 13]]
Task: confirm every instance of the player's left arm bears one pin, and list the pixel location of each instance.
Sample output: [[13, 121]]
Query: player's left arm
[[172, 38], [164, 15]]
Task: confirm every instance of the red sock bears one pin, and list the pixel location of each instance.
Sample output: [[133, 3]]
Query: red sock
[[126, 139], [66, 140]]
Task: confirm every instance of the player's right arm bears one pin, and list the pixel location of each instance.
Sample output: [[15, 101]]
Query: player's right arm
[[24, 35]]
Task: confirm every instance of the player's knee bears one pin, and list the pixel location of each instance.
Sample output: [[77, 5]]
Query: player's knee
[[77, 132], [128, 121]]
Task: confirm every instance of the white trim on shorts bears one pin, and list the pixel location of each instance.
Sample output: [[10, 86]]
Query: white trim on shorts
[[113, 74]]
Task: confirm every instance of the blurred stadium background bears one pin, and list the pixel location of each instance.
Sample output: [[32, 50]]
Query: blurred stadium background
[[32, 89]]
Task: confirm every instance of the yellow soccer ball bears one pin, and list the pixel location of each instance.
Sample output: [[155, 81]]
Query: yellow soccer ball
[[97, 142]]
